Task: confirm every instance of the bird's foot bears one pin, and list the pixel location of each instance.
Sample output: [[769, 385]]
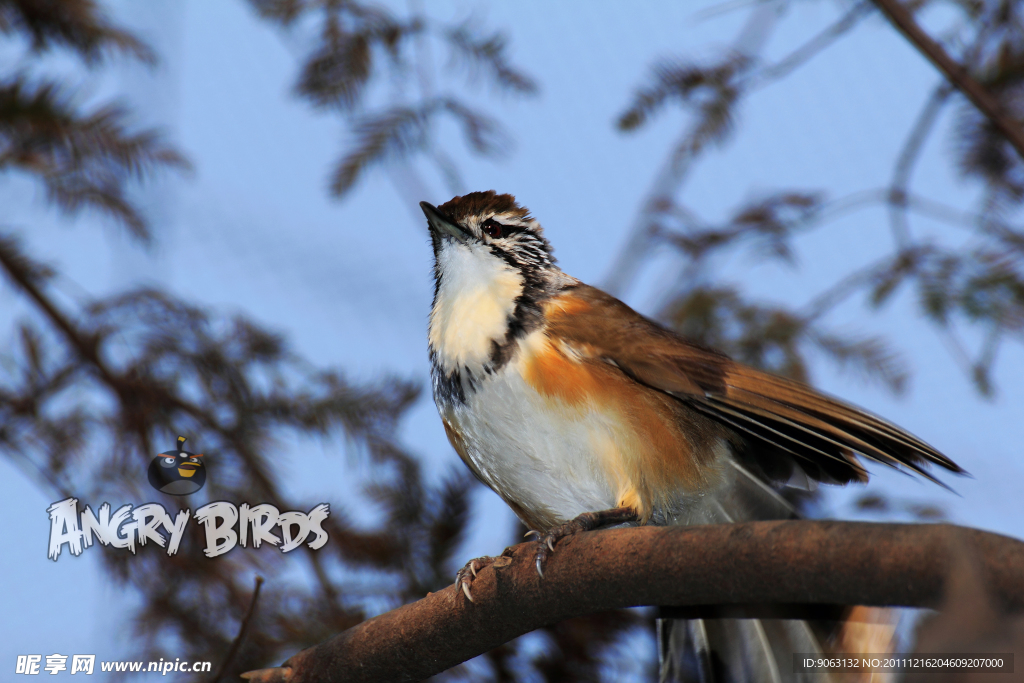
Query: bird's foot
[[585, 522], [464, 577]]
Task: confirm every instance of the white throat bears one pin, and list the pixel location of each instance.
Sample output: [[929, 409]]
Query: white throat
[[475, 298]]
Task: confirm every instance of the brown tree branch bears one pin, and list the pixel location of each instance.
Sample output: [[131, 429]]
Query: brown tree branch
[[903, 20], [797, 563]]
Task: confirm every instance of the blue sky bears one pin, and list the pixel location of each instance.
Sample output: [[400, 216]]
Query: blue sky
[[253, 230]]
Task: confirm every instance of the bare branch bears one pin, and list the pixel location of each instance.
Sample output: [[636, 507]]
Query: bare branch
[[242, 629], [813, 47], [956, 73], [905, 165], [796, 563]]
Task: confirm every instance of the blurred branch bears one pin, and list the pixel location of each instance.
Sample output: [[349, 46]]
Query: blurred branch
[[676, 166], [242, 629], [814, 46], [850, 283], [395, 134], [75, 24], [24, 273], [977, 285], [362, 45], [84, 159], [489, 53], [908, 157], [167, 371], [781, 563], [903, 20]]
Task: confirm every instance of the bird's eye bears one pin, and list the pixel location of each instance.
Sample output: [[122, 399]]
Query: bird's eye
[[193, 459], [169, 461], [493, 228]]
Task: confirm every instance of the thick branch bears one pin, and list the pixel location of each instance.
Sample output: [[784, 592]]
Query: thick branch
[[956, 73], [795, 563]]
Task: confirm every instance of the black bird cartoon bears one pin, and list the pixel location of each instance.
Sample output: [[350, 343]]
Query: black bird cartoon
[[179, 472]]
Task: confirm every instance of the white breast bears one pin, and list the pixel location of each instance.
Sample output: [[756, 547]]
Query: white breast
[[554, 464]]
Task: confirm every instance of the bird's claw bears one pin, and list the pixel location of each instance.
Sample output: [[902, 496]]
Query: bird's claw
[[546, 542], [545, 546], [584, 522], [464, 577]]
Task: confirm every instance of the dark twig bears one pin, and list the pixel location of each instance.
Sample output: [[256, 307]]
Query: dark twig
[[801, 563], [242, 630], [85, 344], [986, 103]]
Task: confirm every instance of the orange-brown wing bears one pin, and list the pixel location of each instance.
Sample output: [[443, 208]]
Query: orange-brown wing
[[781, 419]]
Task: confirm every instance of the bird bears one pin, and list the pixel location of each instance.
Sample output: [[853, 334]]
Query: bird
[[177, 472], [581, 413]]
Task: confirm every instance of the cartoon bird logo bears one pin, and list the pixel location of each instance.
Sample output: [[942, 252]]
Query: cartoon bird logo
[[178, 473]]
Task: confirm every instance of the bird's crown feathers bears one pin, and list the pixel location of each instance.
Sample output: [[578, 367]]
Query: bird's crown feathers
[[481, 204]]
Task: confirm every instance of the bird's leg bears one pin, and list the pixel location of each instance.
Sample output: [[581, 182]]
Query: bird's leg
[[464, 577], [588, 521]]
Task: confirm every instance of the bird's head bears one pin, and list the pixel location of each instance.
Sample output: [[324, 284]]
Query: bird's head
[[486, 226], [492, 268]]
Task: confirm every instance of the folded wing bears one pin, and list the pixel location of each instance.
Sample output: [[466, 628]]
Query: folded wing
[[786, 423]]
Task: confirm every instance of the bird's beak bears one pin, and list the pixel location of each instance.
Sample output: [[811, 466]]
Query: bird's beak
[[441, 225]]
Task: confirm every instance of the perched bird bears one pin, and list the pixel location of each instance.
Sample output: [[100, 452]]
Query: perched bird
[[580, 412], [178, 472]]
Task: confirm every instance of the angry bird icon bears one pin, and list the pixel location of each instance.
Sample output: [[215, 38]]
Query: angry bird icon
[[178, 473]]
